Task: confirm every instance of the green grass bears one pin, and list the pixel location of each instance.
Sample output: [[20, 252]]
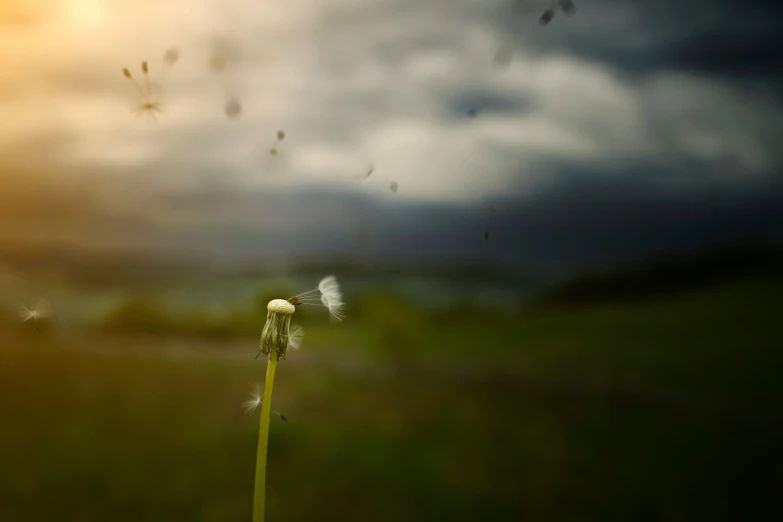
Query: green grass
[[121, 437]]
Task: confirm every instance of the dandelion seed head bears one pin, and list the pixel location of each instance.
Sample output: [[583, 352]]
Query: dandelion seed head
[[280, 306], [275, 335]]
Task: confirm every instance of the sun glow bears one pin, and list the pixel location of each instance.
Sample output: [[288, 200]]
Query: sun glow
[[83, 13]]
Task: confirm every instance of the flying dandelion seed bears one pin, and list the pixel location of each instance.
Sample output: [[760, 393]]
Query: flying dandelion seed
[[233, 108], [221, 62], [150, 93], [331, 298], [393, 186], [274, 149], [40, 311], [255, 401]]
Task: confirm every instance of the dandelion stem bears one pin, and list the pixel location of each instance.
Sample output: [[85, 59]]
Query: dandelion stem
[[259, 496]]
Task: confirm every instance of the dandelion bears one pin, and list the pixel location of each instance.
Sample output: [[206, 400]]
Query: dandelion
[[40, 311], [276, 337]]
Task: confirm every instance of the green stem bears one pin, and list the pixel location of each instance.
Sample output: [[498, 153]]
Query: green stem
[[259, 495]]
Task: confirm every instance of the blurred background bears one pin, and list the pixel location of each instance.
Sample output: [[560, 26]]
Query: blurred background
[[558, 229]]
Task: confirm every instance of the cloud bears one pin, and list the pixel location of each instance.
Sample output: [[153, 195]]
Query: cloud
[[620, 93]]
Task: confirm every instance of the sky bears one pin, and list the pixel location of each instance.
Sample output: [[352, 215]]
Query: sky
[[625, 129]]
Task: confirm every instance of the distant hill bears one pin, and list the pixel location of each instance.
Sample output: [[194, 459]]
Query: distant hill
[[671, 273]]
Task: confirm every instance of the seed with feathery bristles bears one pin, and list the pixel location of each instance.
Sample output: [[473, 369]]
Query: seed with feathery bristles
[[255, 401], [331, 297], [295, 337]]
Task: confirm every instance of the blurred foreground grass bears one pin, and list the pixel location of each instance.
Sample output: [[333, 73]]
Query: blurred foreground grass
[[666, 409]]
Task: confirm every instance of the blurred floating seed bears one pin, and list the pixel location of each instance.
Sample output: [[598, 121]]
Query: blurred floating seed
[[280, 135], [486, 235], [567, 6], [547, 17], [233, 108], [393, 186], [217, 63], [127, 73], [273, 151], [40, 311], [171, 56]]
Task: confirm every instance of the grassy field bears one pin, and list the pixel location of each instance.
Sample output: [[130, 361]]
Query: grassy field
[[667, 409]]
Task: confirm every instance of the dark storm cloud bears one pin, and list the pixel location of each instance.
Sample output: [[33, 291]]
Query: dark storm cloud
[[728, 39]]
